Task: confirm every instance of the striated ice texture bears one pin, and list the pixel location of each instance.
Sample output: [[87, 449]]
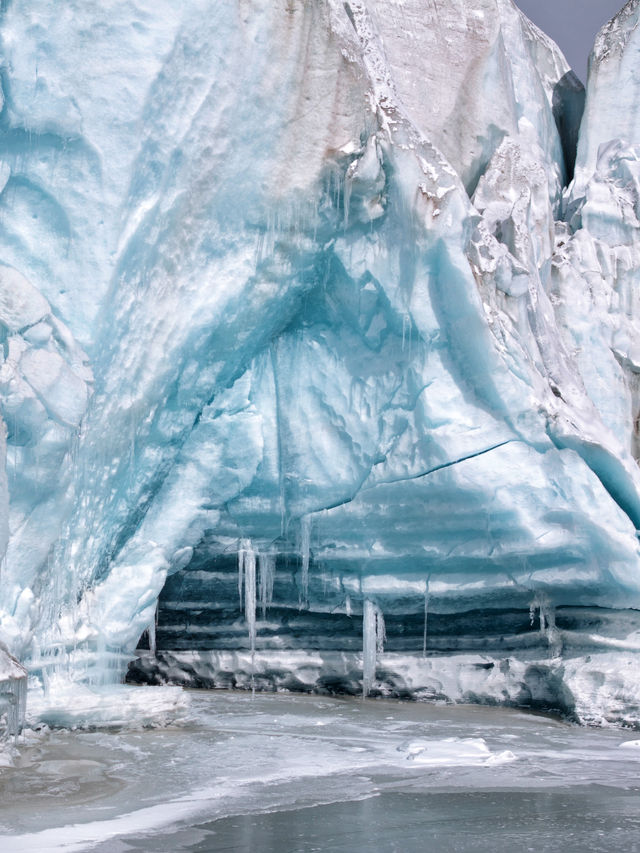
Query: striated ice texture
[[307, 322]]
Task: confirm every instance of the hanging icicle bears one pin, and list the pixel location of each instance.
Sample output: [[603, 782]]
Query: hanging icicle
[[243, 547], [305, 546], [267, 563], [250, 595], [547, 623], [540, 604], [247, 583], [152, 631], [373, 637]]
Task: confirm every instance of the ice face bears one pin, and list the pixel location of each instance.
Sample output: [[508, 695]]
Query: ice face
[[610, 110], [296, 285]]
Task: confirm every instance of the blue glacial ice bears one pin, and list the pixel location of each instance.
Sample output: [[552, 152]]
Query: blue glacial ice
[[305, 298]]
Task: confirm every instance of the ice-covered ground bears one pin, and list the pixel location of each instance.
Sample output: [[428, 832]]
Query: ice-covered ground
[[298, 773]]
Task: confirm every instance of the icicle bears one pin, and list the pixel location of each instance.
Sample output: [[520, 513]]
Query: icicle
[[550, 614], [267, 564], [547, 626], [368, 646], [347, 605], [250, 595], [242, 556], [373, 637], [151, 630], [554, 637], [250, 606], [426, 618], [540, 605], [305, 545]]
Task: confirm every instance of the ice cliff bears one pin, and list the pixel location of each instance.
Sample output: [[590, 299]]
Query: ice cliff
[[319, 321]]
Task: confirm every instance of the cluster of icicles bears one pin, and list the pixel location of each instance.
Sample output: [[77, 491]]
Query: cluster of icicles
[[256, 575], [250, 583]]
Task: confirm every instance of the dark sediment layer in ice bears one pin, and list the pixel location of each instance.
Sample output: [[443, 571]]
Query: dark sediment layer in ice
[[557, 659]]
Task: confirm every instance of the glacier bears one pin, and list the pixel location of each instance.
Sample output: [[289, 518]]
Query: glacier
[[321, 357]]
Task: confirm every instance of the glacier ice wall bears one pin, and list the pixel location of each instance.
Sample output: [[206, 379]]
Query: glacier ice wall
[[303, 280]]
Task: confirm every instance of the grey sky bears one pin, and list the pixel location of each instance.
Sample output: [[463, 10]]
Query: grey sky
[[572, 24]]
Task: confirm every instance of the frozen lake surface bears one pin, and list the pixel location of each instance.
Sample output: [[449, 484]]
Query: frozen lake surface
[[306, 773]]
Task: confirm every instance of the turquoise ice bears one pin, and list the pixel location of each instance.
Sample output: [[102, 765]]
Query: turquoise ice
[[312, 281]]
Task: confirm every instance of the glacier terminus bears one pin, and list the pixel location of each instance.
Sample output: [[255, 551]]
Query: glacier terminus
[[320, 356]]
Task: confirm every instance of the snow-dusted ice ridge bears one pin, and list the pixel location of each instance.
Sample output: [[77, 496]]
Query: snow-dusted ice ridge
[[301, 288]]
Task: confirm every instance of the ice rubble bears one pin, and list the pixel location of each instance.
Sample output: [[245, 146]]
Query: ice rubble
[[297, 288]]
